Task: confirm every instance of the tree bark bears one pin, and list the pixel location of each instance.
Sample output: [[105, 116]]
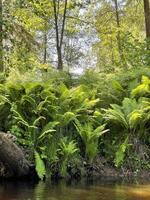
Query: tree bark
[[45, 48], [118, 26], [56, 11], [12, 157], [59, 33], [147, 17], [1, 37], [60, 62]]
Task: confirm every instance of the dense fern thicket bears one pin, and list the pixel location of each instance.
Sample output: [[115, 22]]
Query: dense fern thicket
[[66, 123]]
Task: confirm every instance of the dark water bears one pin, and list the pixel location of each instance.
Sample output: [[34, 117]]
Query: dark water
[[81, 191]]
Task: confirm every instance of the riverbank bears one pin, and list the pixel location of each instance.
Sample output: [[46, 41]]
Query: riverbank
[[77, 169], [94, 172], [101, 169]]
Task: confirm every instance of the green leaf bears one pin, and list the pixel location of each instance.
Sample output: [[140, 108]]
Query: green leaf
[[40, 166], [117, 86], [120, 154]]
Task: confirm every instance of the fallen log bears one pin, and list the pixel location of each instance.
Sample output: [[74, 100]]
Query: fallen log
[[12, 157]]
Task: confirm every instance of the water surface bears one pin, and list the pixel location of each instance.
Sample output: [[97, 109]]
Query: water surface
[[73, 191]]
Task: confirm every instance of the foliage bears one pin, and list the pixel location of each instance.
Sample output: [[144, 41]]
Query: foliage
[[42, 114], [120, 153], [132, 115], [61, 116], [67, 151], [121, 44], [40, 166], [143, 89], [90, 137]]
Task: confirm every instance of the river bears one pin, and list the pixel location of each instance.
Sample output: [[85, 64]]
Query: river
[[98, 190]]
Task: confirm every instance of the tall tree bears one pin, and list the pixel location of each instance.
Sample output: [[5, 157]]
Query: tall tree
[[20, 45], [45, 47], [59, 32], [120, 33], [147, 18], [118, 28]]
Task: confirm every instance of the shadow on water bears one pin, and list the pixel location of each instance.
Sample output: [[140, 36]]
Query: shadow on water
[[98, 190]]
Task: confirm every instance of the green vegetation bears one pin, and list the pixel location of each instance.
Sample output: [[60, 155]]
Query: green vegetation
[[59, 125], [66, 122]]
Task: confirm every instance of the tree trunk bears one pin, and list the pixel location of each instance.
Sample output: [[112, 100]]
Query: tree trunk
[[59, 33], [12, 157], [147, 27], [118, 31], [45, 48], [147, 21], [60, 62], [1, 37]]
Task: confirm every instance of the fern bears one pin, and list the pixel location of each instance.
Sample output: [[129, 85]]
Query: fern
[[142, 89], [117, 86], [128, 115], [40, 166], [128, 105], [135, 118], [30, 100], [116, 115], [68, 148], [120, 154], [67, 151], [66, 118], [90, 136]]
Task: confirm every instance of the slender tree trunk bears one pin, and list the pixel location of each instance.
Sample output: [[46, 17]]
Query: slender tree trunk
[[59, 37], [147, 20], [112, 53], [118, 26], [1, 38], [59, 56], [63, 23], [60, 62], [45, 47]]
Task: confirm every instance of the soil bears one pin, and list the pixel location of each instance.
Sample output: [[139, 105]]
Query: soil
[[99, 169]]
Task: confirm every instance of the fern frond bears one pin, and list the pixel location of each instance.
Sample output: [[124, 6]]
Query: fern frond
[[39, 166]]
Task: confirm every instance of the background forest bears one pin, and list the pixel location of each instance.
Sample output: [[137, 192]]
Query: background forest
[[74, 83]]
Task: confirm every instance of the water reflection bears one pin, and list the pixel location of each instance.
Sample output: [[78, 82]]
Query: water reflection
[[82, 191]]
